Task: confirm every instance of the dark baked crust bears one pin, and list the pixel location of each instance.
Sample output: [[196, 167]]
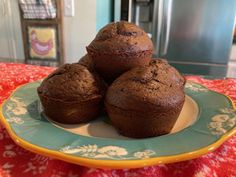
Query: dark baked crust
[[71, 94], [119, 47], [71, 112], [155, 84], [146, 101], [70, 82], [87, 62], [121, 37], [110, 66], [143, 123]]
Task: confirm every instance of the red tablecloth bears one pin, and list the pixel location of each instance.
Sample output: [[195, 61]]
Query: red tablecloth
[[15, 161]]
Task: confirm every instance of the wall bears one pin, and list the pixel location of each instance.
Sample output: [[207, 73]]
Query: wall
[[11, 45], [19, 51], [79, 30], [233, 53], [232, 62]]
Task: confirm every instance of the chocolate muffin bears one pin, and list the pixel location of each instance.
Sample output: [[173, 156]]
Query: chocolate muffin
[[71, 94], [87, 62], [146, 101], [118, 47]]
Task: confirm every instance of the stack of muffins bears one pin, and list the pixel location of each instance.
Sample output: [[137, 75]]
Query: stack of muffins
[[142, 96]]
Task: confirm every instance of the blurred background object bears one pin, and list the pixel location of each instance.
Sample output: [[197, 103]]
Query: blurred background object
[[78, 30], [38, 9], [195, 36], [42, 31], [11, 43]]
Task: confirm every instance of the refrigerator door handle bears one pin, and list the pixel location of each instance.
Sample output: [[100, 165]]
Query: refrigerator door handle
[[130, 11], [156, 25], [165, 28]]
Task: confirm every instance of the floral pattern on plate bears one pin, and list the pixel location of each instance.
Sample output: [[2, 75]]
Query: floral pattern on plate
[[106, 152], [195, 87], [222, 122]]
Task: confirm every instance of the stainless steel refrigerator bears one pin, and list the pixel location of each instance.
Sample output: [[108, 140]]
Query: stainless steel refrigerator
[[194, 35]]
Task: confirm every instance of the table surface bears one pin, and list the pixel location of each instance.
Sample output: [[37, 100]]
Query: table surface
[[15, 161]]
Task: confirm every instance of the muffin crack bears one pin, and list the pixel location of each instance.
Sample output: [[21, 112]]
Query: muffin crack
[[147, 80], [120, 30]]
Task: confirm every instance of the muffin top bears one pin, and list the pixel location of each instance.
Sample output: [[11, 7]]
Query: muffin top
[[157, 84], [71, 82], [118, 37]]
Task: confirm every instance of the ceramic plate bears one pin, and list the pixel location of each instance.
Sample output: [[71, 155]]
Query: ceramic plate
[[206, 121]]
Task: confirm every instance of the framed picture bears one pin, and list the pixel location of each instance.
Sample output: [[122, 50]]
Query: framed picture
[[43, 37], [42, 42]]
